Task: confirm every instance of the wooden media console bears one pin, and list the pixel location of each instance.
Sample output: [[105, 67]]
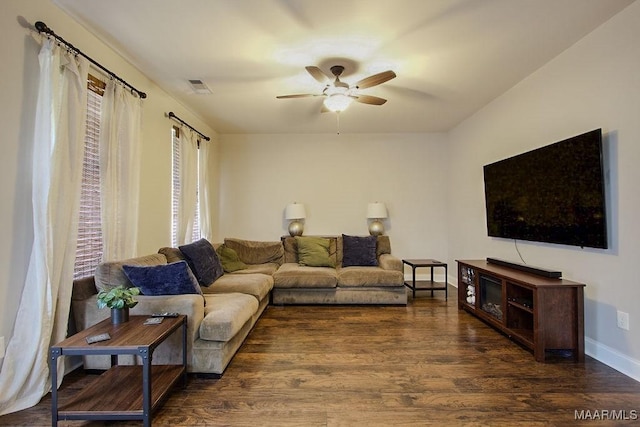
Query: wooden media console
[[545, 315]]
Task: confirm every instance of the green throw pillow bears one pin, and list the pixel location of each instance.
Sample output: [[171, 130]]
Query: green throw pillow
[[314, 252], [230, 260]]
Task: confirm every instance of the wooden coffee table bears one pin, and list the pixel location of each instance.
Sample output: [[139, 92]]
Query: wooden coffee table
[[122, 392], [426, 285]]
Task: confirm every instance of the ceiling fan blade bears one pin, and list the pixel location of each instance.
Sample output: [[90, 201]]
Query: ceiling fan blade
[[376, 79], [318, 74], [301, 95], [368, 99]]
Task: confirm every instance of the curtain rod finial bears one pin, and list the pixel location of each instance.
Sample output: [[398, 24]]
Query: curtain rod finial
[[42, 27]]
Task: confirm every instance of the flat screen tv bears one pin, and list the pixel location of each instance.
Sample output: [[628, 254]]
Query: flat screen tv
[[554, 194]]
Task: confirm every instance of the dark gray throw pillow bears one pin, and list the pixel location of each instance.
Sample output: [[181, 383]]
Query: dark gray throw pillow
[[359, 251], [165, 279], [203, 260]]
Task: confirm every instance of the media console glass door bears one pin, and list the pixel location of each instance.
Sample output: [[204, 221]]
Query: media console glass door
[[491, 296]]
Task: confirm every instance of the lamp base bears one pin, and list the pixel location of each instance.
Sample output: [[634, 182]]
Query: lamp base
[[376, 228], [295, 228]]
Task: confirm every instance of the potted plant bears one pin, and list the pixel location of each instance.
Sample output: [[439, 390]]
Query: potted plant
[[119, 300]]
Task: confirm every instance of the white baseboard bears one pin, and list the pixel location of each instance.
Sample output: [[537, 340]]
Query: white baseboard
[[613, 358]]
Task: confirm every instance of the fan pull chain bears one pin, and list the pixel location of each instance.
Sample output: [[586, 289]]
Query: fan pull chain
[[338, 122]]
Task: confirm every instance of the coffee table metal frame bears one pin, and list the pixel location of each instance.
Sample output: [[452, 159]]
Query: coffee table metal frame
[[426, 285], [133, 338]]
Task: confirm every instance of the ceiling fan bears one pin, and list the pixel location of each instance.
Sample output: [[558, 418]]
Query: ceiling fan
[[338, 94]]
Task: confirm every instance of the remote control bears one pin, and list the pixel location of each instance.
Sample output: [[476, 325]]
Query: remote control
[[165, 314], [98, 338]]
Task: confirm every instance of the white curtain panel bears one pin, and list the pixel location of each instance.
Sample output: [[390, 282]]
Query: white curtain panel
[[58, 149], [203, 193], [188, 186], [120, 139]]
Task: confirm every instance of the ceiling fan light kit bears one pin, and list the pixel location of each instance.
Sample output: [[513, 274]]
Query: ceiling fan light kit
[[337, 102], [339, 95]]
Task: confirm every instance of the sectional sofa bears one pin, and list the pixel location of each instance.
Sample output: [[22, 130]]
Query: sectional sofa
[[358, 278], [223, 303]]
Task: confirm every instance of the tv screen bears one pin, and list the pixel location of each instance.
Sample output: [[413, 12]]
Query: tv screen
[[553, 194]]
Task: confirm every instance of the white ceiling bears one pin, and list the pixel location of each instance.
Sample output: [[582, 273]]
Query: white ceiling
[[451, 57]]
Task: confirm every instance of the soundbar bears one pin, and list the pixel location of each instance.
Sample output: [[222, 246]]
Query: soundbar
[[551, 274]]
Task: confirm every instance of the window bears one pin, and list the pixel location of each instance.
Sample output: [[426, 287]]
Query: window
[[89, 249], [175, 192]]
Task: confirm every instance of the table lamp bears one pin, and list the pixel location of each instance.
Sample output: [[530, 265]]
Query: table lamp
[[295, 212], [376, 212]]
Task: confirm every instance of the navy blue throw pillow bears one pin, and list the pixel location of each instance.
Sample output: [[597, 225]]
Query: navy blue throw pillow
[[164, 279], [203, 260], [359, 251]]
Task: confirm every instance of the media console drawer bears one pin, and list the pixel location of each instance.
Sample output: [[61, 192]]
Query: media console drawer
[[545, 315]]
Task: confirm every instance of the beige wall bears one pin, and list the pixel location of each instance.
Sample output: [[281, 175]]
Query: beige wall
[[432, 183], [18, 86], [593, 84], [335, 176]]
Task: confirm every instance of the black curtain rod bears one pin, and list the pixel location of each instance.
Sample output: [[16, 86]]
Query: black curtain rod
[[42, 28], [173, 116]]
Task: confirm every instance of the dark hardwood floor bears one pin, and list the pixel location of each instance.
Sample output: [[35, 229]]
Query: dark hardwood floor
[[423, 364]]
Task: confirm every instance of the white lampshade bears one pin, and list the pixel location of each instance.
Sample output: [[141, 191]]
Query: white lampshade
[[338, 102], [376, 210], [295, 211]]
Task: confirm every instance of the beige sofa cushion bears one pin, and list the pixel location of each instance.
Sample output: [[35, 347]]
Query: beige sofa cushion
[[290, 249], [253, 252], [383, 245], [226, 314], [369, 276], [292, 275], [172, 254], [257, 285], [110, 274], [268, 268], [390, 262]]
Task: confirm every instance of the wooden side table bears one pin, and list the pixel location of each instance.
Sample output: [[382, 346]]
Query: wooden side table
[[122, 392], [426, 285]]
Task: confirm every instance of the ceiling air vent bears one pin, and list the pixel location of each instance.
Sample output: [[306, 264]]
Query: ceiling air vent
[[199, 87]]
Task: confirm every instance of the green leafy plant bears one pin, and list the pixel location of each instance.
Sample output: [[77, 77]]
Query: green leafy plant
[[118, 297]]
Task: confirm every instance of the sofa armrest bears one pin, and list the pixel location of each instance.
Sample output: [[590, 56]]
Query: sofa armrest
[[390, 262], [87, 314], [192, 305], [83, 288]]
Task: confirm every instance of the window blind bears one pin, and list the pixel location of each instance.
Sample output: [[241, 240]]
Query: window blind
[[175, 192], [175, 184], [89, 248]]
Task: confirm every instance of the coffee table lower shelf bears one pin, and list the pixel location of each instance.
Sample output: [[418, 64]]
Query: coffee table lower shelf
[[117, 394], [426, 285]]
